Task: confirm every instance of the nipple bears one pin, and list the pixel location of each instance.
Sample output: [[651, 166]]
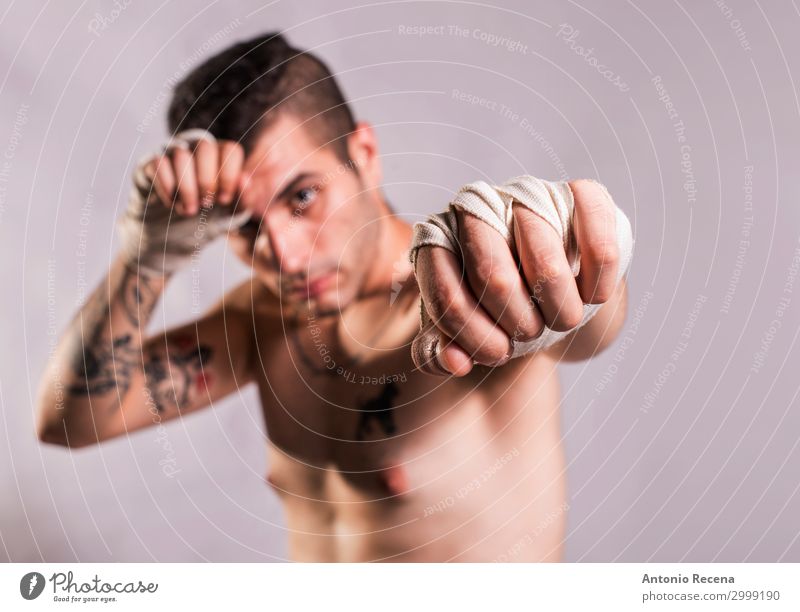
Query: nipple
[[394, 479]]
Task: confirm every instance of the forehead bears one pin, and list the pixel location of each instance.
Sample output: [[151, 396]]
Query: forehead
[[282, 148]]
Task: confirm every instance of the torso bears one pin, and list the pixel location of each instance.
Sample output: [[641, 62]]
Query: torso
[[375, 461]]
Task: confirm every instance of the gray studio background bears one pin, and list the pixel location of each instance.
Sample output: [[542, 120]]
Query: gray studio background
[[681, 439]]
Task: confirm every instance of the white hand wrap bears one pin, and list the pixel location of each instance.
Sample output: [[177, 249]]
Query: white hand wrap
[[156, 240], [552, 201]]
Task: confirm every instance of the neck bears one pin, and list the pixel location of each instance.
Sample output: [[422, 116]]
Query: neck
[[391, 264], [390, 321]]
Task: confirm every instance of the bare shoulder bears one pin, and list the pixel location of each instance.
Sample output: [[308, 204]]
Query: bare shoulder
[[244, 311], [249, 298]]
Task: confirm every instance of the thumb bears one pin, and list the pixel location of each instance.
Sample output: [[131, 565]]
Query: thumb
[[435, 353]]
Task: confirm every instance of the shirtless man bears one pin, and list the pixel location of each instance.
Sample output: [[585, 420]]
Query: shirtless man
[[381, 447]]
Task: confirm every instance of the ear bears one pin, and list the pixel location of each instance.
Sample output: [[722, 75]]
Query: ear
[[362, 146]]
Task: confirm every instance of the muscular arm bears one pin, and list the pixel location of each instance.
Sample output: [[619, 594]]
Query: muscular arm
[[106, 378]]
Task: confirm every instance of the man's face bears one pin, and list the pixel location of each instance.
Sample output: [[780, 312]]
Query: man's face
[[314, 230]]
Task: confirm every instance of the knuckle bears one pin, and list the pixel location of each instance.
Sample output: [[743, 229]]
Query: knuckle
[[602, 252], [547, 267], [439, 301], [455, 319], [184, 176], [550, 272], [492, 351], [529, 334], [456, 315], [590, 194], [529, 327], [150, 168], [484, 268], [232, 153], [187, 188], [225, 183], [501, 284], [157, 184], [569, 317], [205, 186], [176, 153], [491, 355], [231, 145], [602, 291], [231, 181], [602, 294], [578, 184], [210, 188], [593, 204], [188, 198], [205, 149]]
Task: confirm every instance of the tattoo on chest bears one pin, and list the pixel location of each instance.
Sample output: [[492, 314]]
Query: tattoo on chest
[[380, 410]]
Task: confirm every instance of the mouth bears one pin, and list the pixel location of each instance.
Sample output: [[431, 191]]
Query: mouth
[[311, 288]]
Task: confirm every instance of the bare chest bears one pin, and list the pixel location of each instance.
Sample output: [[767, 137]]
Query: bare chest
[[367, 424], [324, 407]]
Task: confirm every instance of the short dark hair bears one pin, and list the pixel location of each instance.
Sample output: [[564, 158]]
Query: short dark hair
[[240, 90]]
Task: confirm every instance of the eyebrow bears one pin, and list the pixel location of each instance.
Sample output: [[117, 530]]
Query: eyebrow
[[293, 184]]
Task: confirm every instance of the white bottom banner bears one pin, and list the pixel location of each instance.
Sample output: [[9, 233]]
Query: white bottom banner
[[400, 587]]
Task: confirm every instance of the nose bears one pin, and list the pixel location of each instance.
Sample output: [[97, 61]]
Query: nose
[[285, 244]]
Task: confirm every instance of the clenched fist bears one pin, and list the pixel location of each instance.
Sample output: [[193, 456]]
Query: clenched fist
[[520, 265], [183, 198]]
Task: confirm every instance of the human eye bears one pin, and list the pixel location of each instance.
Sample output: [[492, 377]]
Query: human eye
[[304, 197]]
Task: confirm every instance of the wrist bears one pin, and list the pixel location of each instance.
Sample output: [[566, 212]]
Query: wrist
[[139, 266]]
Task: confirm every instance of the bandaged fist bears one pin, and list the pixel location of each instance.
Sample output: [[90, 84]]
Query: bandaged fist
[[512, 269], [182, 199]]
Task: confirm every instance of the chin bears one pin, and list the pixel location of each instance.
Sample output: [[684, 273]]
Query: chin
[[331, 302], [328, 303]]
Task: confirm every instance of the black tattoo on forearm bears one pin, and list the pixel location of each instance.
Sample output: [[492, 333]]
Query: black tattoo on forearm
[[138, 297], [173, 379], [101, 369], [102, 365]]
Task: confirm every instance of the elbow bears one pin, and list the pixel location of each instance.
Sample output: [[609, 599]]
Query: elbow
[[49, 428], [49, 435], [57, 434], [56, 424]]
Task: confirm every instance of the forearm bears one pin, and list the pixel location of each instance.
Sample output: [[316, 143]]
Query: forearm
[[98, 357], [598, 333]]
